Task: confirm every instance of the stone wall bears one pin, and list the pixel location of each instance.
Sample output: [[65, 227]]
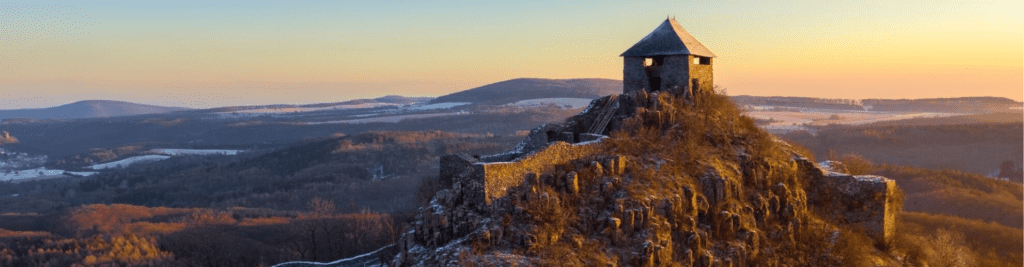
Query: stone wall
[[454, 166], [675, 73], [863, 201], [492, 179], [634, 77], [704, 74], [497, 177]]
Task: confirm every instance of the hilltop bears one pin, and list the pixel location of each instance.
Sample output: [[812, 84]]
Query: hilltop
[[384, 101], [515, 90], [667, 182], [88, 109]]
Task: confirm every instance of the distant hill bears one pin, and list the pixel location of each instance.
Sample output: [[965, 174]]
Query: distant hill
[[389, 99], [959, 104], [951, 105], [87, 109], [515, 90]]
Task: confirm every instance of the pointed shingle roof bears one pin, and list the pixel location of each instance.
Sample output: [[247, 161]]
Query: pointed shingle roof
[[668, 39]]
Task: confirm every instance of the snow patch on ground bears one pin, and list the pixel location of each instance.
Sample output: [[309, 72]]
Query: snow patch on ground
[[368, 259], [444, 105], [870, 178], [44, 173], [829, 166], [561, 102], [310, 109], [128, 161], [786, 121], [388, 119], [40, 172], [180, 152]]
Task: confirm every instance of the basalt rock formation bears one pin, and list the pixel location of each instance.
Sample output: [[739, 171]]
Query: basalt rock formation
[[648, 180]]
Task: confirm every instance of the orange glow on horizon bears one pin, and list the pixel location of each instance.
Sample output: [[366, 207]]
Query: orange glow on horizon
[[897, 50]]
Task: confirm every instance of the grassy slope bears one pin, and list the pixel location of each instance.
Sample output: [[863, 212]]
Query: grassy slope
[[958, 194], [990, 244]]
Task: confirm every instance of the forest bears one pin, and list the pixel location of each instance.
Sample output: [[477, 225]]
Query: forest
[[980, 148], [320, 200]]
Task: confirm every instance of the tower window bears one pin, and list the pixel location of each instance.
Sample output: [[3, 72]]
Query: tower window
[[701, 60], [658, 60]]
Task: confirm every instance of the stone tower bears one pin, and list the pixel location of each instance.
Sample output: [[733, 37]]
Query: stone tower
[[668, 59]]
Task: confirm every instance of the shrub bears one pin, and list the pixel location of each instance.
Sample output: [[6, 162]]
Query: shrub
[[856, 165]]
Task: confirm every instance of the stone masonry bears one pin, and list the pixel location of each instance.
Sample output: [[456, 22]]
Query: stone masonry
[[494, 178], [864, 201], [668, 59]]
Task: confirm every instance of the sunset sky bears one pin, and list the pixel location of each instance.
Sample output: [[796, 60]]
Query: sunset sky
[[221, 53]]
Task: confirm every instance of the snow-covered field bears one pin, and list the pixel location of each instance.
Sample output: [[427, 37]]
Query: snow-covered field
[[42, 172], [444, 105], [128, 161], [36, 173], [15, 160], [180, 152], [300, 111], [561, 102], [389, 119], [310, 109], [792, 121]]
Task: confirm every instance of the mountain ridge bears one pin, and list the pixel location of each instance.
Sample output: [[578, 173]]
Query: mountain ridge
[[510, 91], [88, 109]]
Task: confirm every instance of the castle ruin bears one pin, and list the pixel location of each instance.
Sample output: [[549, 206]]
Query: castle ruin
[[567, 156], [668, 60]]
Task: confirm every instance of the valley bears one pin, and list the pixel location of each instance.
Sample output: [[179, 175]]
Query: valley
[[500, 133], [244, 169]]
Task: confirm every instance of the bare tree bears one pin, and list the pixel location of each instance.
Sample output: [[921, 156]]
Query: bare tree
[[316, 228]]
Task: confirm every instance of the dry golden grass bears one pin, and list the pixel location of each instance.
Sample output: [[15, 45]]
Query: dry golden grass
[[942, 240], [958, 193]]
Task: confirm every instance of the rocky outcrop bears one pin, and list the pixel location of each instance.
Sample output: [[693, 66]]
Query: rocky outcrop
[[662, 228], [563, 188]]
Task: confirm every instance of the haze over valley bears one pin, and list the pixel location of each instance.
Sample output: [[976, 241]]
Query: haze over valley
[[320, 133]]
